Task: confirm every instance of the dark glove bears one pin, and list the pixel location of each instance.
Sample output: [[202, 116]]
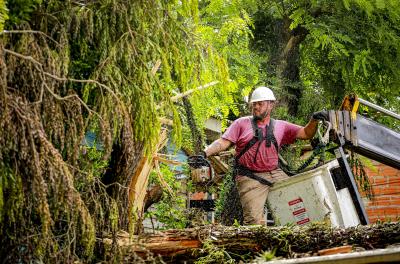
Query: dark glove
[[198, 160], [203, 154], [321, 115]]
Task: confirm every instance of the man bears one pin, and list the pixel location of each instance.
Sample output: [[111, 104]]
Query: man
[[257, 140]]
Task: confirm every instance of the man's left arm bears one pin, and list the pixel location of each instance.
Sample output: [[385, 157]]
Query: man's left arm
[[308, 131]]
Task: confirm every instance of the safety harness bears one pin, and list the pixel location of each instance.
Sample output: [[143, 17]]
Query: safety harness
[[258, 137]]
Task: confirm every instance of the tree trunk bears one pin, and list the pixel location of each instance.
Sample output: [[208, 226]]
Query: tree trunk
[[153, 196], [288, 241], [125, 158], [289, 66]]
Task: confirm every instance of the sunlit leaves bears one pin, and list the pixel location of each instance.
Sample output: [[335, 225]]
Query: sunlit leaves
[[297, 18], [359, 49], [361, 62], [224, 33], [3, 14]]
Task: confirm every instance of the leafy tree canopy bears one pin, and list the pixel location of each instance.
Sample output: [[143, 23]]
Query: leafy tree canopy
[[109, 67], [349, 46]]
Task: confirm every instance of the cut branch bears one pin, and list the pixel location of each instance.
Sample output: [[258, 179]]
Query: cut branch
[[188, 92], [163, 183], [168, 161], [166, 121]]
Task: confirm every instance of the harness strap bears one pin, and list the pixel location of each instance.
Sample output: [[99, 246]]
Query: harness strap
[[258, 137], [270, 137], [242, 170], [246, 148], [257, 132]]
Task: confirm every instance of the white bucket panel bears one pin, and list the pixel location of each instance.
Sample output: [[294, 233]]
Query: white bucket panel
[[350, 217], [312, 196]]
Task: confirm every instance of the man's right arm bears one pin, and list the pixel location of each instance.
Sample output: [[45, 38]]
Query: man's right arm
[[217, 146]]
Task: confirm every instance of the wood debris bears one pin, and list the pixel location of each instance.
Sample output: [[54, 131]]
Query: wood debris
[[286, 241]]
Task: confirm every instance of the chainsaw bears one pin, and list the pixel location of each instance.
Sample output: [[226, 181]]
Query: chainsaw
[[200, 169]]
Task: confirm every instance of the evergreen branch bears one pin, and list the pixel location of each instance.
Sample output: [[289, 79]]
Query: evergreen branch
[[29, 32], [58, 97], [63, 79], [283, 13], [39, 67]]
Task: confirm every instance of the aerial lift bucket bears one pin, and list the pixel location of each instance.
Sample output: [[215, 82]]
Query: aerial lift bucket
[[330, 192]]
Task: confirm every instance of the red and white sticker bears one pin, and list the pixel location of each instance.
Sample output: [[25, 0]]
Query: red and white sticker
[[299, 211]]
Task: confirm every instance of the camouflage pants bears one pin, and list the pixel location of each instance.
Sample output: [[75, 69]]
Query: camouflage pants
[[253, 195]]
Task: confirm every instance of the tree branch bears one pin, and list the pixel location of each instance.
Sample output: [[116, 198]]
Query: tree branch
[[63, 79], [29, 32], [188, 92]]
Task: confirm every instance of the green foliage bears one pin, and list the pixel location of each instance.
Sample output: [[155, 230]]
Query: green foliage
[[228, 209], [171, 209], [11, 197], [226, 25], [137, 55], [20, 10], [130, 66], [292, 153], [267, 255], [3, 14], [356, 49], [358, 164], [349, 46], [93, 163], [236, 223], [223, 195], [213, 254]]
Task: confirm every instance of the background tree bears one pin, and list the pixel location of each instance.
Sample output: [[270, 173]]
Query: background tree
[[227, 28], [330, 48]]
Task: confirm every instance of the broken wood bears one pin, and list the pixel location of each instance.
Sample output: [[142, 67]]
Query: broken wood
[[166, 121], [288, 241], [163, 183], [188, 92], [139, 182], [161, 157], [219, 165], [335, 250]]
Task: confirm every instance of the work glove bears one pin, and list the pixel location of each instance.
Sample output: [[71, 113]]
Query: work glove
[[203, 154], [321, 115], [198, 160]]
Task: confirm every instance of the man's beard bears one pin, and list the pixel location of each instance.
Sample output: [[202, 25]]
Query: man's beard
[[261, 116]]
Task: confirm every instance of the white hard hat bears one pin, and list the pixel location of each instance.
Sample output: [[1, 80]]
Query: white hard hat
[[262, 93]]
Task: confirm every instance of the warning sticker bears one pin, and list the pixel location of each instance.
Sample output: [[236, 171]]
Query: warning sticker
[[299, 211]]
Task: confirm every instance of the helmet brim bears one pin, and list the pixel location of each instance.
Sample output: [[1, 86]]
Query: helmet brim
[[260, 100]]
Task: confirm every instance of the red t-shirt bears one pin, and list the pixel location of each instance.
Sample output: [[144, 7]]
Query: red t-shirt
[[240, 132]]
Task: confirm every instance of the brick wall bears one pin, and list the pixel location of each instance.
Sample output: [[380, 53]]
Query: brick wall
[[385, 181]]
